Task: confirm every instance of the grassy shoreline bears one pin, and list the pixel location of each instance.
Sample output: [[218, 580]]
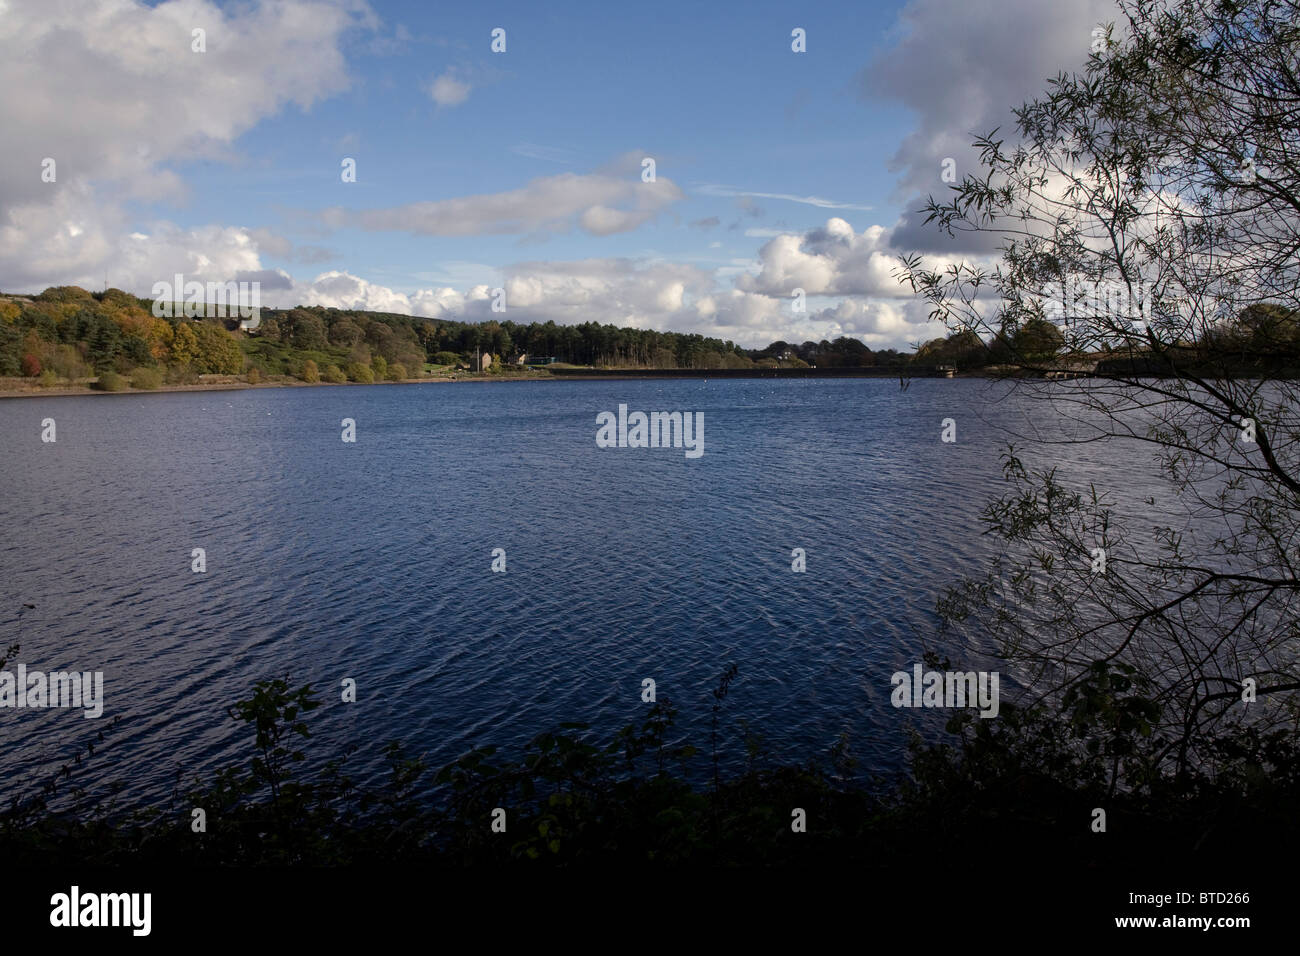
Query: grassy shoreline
[[12, 387]]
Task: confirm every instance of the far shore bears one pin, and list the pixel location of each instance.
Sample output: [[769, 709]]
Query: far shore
[[8, 388], [27, 388]]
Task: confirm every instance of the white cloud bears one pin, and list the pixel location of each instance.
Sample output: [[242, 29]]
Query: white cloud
[[600, 203], [446, 90], [831, 260], [443, 302], [963, 65], [342, 290], [75, 242], [119, 93], [643, 293]]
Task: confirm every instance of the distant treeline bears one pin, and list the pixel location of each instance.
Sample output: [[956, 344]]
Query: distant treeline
[[68, 334]]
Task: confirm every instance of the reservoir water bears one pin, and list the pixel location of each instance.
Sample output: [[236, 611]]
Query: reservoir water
[[372, 560]]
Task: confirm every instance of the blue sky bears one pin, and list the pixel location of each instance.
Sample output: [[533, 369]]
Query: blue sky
[[715, 98], [520, 170]]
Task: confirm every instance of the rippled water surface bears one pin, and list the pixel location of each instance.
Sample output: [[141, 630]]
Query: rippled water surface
[[372, 560]]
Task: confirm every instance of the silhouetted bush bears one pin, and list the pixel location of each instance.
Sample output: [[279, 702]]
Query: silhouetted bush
[[1025, 783]]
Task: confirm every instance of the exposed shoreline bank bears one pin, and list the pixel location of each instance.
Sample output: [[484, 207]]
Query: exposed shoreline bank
[[9, 390], [27, 388]]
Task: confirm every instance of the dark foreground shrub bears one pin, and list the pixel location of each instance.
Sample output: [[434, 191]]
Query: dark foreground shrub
[[1009, 788]]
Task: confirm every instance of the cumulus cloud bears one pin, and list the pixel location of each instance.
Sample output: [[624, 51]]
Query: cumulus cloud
[[829, 260], [911, 233], [993, 56], [444, 302], [77, 242], [121, 92], [120, 95], [636, 292], [446, 90], [342, 290], [600, 203]]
